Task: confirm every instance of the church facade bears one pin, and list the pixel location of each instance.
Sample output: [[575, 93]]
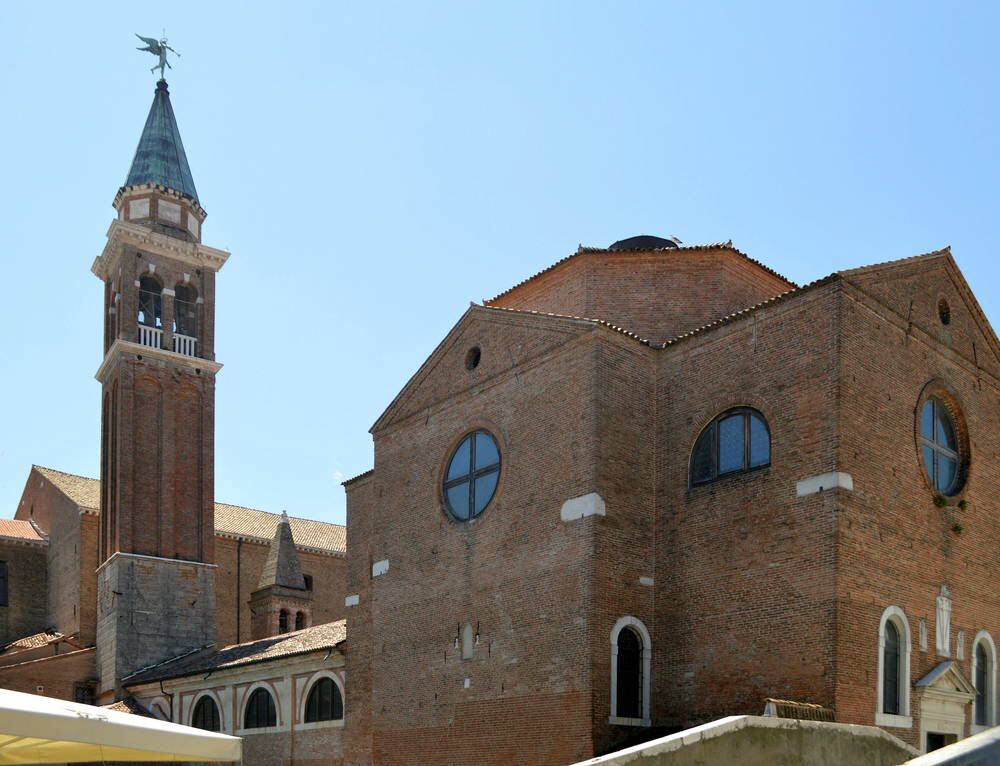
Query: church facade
[[648, 487], [656, 485]]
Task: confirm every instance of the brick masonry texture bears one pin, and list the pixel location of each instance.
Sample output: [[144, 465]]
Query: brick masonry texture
[[748, 591]]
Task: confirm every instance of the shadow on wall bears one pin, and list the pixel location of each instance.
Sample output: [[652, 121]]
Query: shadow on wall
[[766, 741]]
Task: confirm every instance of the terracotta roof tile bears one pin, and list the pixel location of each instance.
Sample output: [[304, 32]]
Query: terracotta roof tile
[[129, 705], [82, 490], [33, 641], [318, 637], [230, 520], [17, 529]]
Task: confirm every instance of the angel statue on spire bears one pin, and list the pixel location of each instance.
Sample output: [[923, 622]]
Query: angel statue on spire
[[158, 48]]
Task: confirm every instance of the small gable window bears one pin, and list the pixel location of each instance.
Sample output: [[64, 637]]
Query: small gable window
[[324, 702], [737, 440], [939, 446], [206, 715], [260, 712], [472, 475]]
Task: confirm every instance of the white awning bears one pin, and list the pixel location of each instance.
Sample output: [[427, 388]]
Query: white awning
[[36, 729]]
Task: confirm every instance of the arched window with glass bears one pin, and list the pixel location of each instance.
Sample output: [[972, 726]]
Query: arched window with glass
[[260, 710], [206, 715], [939, 446], [736, 441], [471, 476], [984, 680], [893, 669], [631, 664], [325, 702]]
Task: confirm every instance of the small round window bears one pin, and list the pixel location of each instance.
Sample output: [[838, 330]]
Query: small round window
[[471, 478], [939, 446]]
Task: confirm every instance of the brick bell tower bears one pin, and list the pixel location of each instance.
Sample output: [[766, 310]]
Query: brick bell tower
[[156, 579]]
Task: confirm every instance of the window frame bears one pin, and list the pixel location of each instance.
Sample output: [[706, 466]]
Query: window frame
[[634, 624], [303, 696], [199, 700], [984, 638], [473, 475], [251, 694], [902, 719], [937, 401], [711, 431], [312, 689]]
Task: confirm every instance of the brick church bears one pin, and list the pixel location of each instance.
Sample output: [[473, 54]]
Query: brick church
[[648, 487]]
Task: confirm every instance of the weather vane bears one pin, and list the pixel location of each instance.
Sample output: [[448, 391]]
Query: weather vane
[[158, 48]]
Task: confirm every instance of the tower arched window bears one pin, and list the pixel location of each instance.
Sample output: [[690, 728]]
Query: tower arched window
[[893, 669], [283, 621], [206, 715], [150, 313], [186, 310], [300, 620], [631, 654], [324, 702], [260, 711], [984, 678], [738, 440], [939, 446]]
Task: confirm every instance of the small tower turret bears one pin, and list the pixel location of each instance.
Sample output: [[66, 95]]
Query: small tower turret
[[281, 602]]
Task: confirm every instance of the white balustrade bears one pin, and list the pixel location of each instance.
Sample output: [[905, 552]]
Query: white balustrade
[[150, 336], [185, 344]]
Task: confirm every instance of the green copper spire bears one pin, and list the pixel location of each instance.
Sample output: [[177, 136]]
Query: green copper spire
[[159, 158]]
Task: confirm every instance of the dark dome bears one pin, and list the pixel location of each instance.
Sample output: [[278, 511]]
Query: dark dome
[[642, 242]]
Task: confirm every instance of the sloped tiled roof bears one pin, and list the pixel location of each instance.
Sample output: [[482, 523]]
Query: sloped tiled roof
[[34, 641], [316, 638], [230, 520], [82, 490], [129, 704], [16, 529], [309, 534]]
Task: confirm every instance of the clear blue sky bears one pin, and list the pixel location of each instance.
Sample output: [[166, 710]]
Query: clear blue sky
[[374, 167]]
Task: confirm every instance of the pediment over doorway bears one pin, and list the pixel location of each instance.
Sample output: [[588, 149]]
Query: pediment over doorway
[[947, 678]]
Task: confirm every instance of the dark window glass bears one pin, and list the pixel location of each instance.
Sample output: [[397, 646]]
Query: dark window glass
[[982, 684], [737, 440], [324, 702], [731, 444], [760, 442], [703, 461], [260, 711], [84, 694], [300, 620], [186, 310], [282, 621], [472, 475], [206, 715], [939, 446], [309, 581], [150, 302], [890, 670], [629, 692], [3, 583]]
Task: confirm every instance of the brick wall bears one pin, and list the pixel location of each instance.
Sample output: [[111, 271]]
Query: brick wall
[[57, 675], [25, 612], [895, 546], [657, 296], [242, 563]]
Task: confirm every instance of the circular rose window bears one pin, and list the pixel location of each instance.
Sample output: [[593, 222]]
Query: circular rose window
[[939, 447], [470, 480]]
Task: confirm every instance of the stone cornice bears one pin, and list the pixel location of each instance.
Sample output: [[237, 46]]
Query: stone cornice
[[124, 233], [121, 347]]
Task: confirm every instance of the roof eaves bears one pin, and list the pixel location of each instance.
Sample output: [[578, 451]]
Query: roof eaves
[[359, 477], [788, 294], [587, 250], [598, 322]]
